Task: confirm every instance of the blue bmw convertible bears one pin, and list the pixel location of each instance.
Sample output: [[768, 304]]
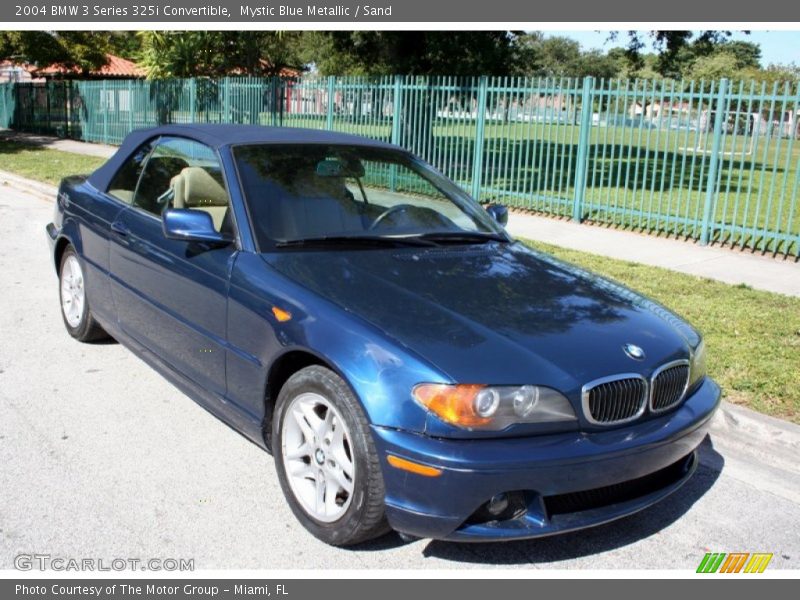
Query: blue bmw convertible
[[351, 310]]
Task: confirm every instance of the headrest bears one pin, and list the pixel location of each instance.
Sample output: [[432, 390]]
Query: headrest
[[195, 187]]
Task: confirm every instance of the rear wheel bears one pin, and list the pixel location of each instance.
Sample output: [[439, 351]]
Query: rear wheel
[[75, 308], [326, 460]]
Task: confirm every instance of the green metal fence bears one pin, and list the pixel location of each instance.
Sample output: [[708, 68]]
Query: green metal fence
[[702, 160]]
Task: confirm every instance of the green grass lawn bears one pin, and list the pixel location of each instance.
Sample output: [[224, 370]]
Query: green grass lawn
[[43, 164], [752, 337]]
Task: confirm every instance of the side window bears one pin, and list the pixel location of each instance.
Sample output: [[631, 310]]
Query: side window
[[123, 185], [182, 173]]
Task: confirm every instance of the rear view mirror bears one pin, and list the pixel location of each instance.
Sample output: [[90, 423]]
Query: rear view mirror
[[499, 213], [335, 167], [191, 226]]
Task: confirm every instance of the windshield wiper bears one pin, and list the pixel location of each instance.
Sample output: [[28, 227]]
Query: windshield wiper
[[356, 240], [469, 237]]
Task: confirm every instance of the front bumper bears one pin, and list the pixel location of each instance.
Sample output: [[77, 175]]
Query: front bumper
[[650, 459]]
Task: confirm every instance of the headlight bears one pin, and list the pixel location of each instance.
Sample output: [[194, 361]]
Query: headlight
[[698, 368], [493, 408]]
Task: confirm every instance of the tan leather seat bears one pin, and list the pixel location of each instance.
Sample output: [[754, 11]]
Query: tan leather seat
[[195, 188]]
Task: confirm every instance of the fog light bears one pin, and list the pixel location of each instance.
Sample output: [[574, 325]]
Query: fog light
[[500, 507], [497, 504]]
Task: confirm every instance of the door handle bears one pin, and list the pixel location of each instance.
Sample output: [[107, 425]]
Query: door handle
[[120, 228]]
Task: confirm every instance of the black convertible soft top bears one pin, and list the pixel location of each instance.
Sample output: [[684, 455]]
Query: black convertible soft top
[[218, 135]]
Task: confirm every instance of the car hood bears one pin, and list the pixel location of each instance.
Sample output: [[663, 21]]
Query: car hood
[[495, 313]]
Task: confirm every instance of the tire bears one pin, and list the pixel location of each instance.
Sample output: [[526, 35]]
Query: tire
[[75, 309], [321, 434]]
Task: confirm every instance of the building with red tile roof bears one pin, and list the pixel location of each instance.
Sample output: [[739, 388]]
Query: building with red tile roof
[[116, 68]]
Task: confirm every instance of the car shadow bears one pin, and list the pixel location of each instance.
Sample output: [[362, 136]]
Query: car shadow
[[586, 542]]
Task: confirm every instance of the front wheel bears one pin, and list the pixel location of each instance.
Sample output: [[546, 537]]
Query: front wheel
[[326, 459], [75, 309]]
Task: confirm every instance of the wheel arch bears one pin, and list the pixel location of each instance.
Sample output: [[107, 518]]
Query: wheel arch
[[380, 375], [69, 235], [281, 369], [58, 250]]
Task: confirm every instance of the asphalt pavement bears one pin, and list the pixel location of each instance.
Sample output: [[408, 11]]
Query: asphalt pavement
[[100, 457]]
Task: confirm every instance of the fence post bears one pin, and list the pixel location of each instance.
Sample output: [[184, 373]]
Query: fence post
[[397, 115], [480, 126], [192, 99], [584, 134], [130, 105], [17, 111], [331, 101], [280, 94], [226, 101], [68, 108], [713, 162], [397, 108], [48, 91], [104, 104]]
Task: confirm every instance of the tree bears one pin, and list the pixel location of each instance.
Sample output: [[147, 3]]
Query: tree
[[217, 53], [675, 48], [456, 53], [780, 74], [747, 54], [82, 50], [540, 56], [127, 44], [716, 66], [559, 57]]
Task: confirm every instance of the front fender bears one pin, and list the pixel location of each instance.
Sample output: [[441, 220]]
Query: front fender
[[380, 371]]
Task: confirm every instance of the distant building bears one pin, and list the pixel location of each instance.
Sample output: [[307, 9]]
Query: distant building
[[11, 72], [658, 109], [115, 68]]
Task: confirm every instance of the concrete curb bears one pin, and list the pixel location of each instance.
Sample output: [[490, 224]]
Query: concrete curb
[[757, 450], [749, 432], [776, 441], [44, 190]]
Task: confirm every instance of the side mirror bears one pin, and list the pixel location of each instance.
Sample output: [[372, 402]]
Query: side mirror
[[499, 213], [191, 226]]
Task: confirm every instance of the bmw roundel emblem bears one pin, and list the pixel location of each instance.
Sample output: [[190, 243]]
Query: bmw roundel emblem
[[634, 351]]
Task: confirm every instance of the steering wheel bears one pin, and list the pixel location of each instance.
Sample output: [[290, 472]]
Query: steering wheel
[[388, 212]]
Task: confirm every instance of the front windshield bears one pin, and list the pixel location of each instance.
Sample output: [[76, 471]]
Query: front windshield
[[306, 192]]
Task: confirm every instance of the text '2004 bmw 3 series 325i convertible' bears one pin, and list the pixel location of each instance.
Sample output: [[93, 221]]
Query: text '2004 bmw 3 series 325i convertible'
[[409, 365]]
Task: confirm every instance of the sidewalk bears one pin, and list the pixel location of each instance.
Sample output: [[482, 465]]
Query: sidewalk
[[46, 141], [723, 264], [715, 262]]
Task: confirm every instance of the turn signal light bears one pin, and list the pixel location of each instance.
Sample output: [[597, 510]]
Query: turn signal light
[[281, 315], [454, 403], [413, 467]]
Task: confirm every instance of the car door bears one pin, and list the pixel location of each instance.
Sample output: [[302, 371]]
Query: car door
[[171, 295], [99, 209]]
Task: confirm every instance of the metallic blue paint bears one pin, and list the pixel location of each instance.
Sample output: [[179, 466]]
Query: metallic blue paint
[[386, 320], [191, 226], [544, 465]]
